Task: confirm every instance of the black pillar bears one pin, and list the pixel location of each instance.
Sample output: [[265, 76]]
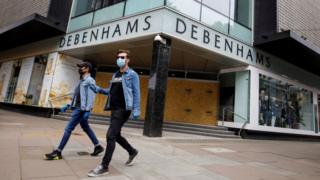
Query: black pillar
[[157, 88]]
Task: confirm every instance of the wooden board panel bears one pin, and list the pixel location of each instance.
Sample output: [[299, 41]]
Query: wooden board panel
[[102, 80], [187, 101], [193, 102]]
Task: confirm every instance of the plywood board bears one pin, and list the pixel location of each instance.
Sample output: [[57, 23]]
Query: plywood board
[[187, 101]]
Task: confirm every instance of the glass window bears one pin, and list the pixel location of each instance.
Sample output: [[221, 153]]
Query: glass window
[[284, 105], [98, 4], [188, 7], [80, 22], [214, 19], [104, 3], [241, 12], [221, 6], [82, 6], [108, 13], [240, 32], [234, 96], [135, 6], [111, 2]]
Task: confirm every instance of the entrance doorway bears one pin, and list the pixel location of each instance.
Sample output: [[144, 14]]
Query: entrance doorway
[[234, 96], [192, 101]]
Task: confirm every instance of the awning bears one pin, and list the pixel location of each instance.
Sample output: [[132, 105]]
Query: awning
[[292, 48], [30, 29]]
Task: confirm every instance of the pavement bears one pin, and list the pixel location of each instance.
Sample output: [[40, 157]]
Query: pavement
[[25, 139]]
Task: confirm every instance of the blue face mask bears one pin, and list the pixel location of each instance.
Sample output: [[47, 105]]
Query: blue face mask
[[121, 62]]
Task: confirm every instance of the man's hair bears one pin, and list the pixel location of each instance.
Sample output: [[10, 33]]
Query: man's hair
[[124, 51]]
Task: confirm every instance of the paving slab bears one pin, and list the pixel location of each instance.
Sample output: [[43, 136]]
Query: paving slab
[[9, 164], [39, 168], [25, 139], [245, 171]]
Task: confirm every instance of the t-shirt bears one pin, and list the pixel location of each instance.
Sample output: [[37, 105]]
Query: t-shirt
[[116, 93], [78, 97]]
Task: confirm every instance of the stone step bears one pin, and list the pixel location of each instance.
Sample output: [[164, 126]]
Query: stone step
[[213, 131], [186, 125]]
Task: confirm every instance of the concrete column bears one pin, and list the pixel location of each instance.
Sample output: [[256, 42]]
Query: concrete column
[[157, 87]]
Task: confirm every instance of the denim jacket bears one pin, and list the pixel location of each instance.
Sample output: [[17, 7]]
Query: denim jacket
[[88, 90], [131, 91]]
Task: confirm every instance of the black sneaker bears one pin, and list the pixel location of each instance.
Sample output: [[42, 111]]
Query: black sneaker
[[132, 158], [98, 171], [97, 150], [55, 155]]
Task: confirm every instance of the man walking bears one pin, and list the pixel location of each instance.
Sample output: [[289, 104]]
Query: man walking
[[82, 103], [123, 99]]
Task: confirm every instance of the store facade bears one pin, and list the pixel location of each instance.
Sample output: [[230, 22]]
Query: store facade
[[215, 75]]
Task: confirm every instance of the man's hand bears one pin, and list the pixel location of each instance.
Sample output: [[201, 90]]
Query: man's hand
[[65, 108]]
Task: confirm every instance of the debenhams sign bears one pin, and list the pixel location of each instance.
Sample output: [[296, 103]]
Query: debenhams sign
[[171, 24]]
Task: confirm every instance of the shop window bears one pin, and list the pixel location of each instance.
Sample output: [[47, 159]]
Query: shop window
[[13, 82], [35, 86], [284, 105], [234, 96]]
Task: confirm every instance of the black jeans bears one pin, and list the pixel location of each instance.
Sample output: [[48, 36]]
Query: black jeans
[[118, 118]]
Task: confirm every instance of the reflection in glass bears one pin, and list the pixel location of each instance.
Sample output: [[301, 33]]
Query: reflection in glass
[[240, 32], [135, 6], [111, 2], [284, 105], [219, 5], [82, 6], [80, 22], [214, 19], [188, 7], [242, 12], [108, 13]]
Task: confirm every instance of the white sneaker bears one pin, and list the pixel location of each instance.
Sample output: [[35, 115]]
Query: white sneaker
[[98, 171]]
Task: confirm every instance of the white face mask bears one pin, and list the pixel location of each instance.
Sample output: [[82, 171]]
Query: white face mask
[[121, 62]]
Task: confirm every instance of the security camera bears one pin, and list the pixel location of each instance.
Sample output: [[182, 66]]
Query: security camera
[[160, 39]]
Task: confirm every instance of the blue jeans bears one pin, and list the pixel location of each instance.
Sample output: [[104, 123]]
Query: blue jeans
[[78, 116]]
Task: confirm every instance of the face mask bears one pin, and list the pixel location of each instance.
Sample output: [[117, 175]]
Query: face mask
[[121, 62]]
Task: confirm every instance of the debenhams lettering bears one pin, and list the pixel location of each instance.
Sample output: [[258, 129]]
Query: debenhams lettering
[[220, 42], [187, 30], [105, 32]]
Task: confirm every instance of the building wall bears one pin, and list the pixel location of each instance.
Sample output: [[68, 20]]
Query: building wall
[[13, 10], [302, 17]]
